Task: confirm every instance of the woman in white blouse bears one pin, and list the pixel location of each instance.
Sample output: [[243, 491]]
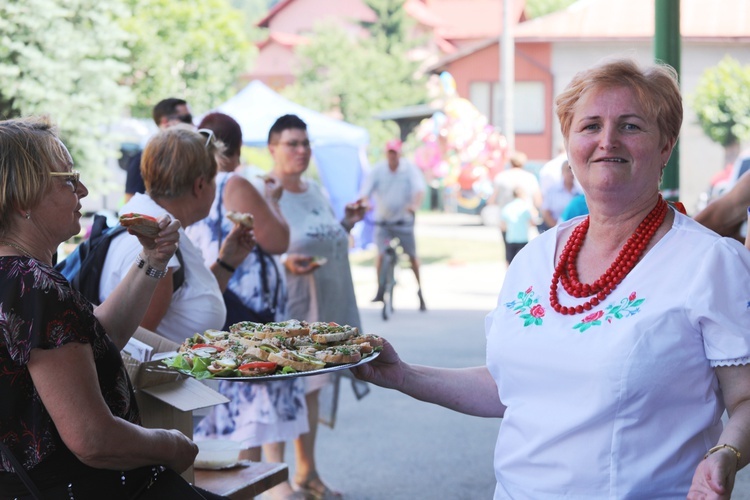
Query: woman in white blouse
[[179, 168], [619, 339]]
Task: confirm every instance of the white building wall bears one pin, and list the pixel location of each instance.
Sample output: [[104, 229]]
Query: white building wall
[[700, 158]]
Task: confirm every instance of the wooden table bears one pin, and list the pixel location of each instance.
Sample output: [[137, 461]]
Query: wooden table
[[242, 483]]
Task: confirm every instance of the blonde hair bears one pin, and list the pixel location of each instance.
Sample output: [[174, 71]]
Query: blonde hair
[[656, 90], [174, 158], [518, 159], [29, 150]]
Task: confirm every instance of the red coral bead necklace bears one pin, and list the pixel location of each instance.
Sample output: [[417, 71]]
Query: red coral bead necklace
[[566, 273]]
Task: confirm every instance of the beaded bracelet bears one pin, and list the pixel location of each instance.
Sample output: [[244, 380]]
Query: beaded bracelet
[[155, 273], [150, 270], [226, 266], [721, 446]]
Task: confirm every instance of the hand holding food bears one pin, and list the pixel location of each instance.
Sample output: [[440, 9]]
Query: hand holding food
[[273, 188], [299, 263], [158, 237], [386, 371], [237, 245], [355, 212]]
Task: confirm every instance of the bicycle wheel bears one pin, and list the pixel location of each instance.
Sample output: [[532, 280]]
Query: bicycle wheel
[[388, 281]]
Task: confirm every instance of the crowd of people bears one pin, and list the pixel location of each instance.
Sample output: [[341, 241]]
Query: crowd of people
[[609, 364]]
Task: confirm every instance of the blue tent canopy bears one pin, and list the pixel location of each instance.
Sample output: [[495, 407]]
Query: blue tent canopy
[[339, 148]]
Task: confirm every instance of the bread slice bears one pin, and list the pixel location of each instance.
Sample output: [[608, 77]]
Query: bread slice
[[245, 219], [328, 333], [339, 355], [373, 340], [141, 224], [299, 362]]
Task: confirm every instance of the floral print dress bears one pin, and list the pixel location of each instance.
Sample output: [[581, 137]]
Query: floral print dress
[[39, 310], [257, 413]]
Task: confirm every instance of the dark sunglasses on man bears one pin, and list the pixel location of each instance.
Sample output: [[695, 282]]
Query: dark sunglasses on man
[[186, 118]]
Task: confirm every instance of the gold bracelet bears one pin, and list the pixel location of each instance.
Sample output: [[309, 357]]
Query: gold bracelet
[[721, 446]]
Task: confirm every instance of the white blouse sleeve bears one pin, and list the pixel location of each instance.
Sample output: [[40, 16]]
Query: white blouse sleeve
[[718, 303]]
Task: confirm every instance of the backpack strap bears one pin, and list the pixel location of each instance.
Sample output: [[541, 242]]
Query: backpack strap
[[178, 277], [262, 255]]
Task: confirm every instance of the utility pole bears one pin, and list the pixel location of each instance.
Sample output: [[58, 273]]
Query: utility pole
[[667, 49], [507, 74]]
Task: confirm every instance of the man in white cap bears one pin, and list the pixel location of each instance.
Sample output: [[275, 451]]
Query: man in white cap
[[397, 188]]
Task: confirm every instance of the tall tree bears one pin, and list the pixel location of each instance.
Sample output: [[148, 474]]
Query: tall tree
[[722, 104], [390, 29], [359, 76], [63, 58], [193, 50]]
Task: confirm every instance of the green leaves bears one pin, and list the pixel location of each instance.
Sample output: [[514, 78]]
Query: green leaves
[[64, 59], [722, 102], [192, 50]]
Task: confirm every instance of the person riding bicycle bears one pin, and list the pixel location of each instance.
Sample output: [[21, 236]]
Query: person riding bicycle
[[397, 188]]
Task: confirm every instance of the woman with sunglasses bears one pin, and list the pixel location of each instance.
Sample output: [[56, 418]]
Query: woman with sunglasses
[[69, 422], [179, 168]]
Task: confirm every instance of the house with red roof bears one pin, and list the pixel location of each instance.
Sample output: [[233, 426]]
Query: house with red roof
[[550, 49], [447, 25]]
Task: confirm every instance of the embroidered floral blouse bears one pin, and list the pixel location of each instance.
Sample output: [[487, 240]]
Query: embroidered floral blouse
[[39, 309], [620, 401]]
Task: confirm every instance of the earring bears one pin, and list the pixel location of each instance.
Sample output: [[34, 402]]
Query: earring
[[28, 215]]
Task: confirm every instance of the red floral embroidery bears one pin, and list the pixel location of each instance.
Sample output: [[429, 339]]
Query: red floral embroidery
[[537, 311], [593, 316]]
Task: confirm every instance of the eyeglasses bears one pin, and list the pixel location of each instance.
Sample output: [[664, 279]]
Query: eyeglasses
[[73, 177], [186, 118], [208, 133], [295, 144]]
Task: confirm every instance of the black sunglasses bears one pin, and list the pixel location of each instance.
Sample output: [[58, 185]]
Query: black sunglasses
[[186, 118]]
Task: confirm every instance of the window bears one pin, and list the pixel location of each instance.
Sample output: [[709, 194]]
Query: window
[[528, 105]]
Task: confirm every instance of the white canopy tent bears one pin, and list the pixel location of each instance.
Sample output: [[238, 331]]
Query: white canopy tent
[[339, 148]]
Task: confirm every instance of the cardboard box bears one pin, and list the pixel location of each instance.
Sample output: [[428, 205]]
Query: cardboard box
[[166, 397]]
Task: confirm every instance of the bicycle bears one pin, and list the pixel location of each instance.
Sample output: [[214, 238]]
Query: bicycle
[[387, 276]]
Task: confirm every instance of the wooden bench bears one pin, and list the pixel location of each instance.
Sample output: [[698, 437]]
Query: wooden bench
[[241, 483]]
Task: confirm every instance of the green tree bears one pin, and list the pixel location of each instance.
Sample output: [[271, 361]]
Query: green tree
[[358, 77], [722, 102], [194, 50], [64, 58], [389, 30], [537, 8]]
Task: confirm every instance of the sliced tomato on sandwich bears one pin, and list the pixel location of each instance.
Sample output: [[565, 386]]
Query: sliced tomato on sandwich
[[255, 368], [133, 215]]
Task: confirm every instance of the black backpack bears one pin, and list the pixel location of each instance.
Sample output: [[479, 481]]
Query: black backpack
[[83, 267]]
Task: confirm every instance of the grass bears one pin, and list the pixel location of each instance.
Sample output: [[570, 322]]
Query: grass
[[434, 250]]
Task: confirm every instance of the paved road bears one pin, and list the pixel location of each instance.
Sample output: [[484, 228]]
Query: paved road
[[389, 446]]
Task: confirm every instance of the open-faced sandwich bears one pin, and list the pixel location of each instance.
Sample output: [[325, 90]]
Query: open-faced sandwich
[[328, 333], [246, 220], [141, 224], [251, 349]]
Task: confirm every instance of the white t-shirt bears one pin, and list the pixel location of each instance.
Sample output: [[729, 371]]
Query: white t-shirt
[[393, 191], [196, 306], [622, 401], [508, 180]]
